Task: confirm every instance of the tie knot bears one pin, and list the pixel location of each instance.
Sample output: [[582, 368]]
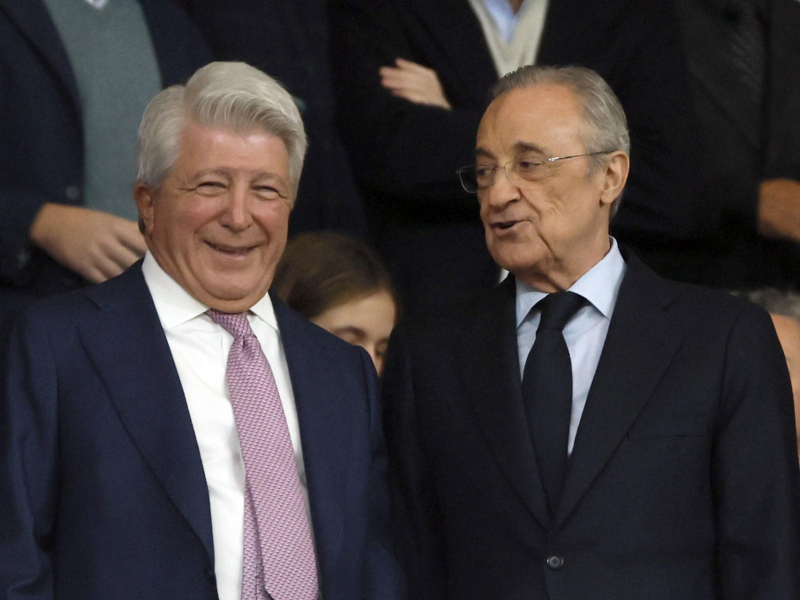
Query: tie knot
[[235, 323], [558, 308]]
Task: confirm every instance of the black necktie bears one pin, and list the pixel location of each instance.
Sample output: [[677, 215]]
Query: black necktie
[[547, 391]]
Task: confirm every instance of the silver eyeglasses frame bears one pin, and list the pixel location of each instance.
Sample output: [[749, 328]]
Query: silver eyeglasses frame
[[464, 172]]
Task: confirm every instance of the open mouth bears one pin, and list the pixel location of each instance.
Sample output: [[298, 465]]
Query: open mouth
[[504, 225]]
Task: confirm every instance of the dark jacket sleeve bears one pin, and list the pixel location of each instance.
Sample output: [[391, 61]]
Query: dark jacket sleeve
[[415, 510], [383, 579], [758, 531], [406, 152], [28, 472]]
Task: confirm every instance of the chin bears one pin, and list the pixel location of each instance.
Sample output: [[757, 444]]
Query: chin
[[514, 262], [231, 288]]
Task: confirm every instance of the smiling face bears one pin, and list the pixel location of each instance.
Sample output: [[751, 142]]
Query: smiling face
[[548, 233], [218, 223]]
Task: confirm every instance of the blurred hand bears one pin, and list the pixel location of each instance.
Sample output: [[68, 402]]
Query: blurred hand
[[415, 83], [94, 244], [779, 209]]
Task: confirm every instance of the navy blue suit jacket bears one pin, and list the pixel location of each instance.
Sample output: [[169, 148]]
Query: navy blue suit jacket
[[102, 488]]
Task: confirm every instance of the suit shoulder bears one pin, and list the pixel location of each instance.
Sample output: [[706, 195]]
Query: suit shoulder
[[715, 305], [692, 302], [83, 302]]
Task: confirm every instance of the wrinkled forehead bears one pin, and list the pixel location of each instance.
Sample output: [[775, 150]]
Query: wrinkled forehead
[[546, 117]]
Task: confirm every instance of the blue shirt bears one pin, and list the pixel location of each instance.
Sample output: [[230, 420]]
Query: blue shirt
[[504, 16], [585, 333]]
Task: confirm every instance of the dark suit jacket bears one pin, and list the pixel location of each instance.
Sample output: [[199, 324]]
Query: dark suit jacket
[[737, 158], [405, 155], [683, 483], [101, 481], [41, 135]]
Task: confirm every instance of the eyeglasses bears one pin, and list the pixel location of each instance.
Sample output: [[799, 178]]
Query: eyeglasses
[[475, 178]]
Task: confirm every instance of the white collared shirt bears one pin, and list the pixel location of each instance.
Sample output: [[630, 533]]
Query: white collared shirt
[[200, 350], [585, 334], [504, 16]]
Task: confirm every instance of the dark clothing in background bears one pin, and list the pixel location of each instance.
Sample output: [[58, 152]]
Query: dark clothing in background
[[405, 155], [41, 135], [288, 40], [743, 144]]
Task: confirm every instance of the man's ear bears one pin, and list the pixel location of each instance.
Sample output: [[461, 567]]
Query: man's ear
[[144, 202], [615, 175]]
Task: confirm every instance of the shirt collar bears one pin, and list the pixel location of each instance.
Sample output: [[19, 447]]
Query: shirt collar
[[599, 285], [176, 306]]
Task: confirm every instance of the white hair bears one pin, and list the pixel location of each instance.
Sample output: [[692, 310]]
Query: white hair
[[233, 95]]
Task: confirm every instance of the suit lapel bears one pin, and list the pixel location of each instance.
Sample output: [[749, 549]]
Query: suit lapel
[[639, 347], [325, 419], [33, 20], [494, 392], [455, 30], [126, 343]]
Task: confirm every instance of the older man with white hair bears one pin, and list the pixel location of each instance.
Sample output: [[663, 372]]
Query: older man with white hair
[[176, 432]]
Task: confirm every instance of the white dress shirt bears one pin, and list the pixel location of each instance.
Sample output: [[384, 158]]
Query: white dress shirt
[[511, 38], [585, 334], [504, 16], [200, 350]]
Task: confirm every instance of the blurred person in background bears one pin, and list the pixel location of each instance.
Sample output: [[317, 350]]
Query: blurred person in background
[[412, 79], [743, 58], [340, 284], [75, 78]]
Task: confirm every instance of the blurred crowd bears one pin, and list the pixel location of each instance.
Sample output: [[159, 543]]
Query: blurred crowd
[[391, 94]]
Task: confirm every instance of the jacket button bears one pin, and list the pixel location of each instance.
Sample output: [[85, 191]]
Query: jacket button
[[555, 562], [210, 574]]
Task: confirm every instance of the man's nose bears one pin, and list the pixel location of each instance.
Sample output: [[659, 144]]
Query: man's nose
[[502, 191], [237, 215]]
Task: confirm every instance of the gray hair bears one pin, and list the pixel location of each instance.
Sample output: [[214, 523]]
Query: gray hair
[[233, 95], [602, 111]]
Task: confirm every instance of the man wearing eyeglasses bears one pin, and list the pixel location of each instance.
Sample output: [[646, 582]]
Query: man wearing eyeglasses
[[586, 429]]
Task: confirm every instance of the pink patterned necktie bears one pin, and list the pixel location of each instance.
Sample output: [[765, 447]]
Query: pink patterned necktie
[[278, 551]]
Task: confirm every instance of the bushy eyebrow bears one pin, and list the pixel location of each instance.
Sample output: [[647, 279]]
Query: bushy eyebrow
[[483, 153]]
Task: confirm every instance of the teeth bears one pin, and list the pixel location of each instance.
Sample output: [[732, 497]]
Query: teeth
[[227, 250]]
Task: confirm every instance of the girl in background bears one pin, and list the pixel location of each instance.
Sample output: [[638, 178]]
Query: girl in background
[[340, 284]]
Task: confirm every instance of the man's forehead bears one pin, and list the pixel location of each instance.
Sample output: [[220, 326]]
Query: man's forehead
[[536, 118]]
